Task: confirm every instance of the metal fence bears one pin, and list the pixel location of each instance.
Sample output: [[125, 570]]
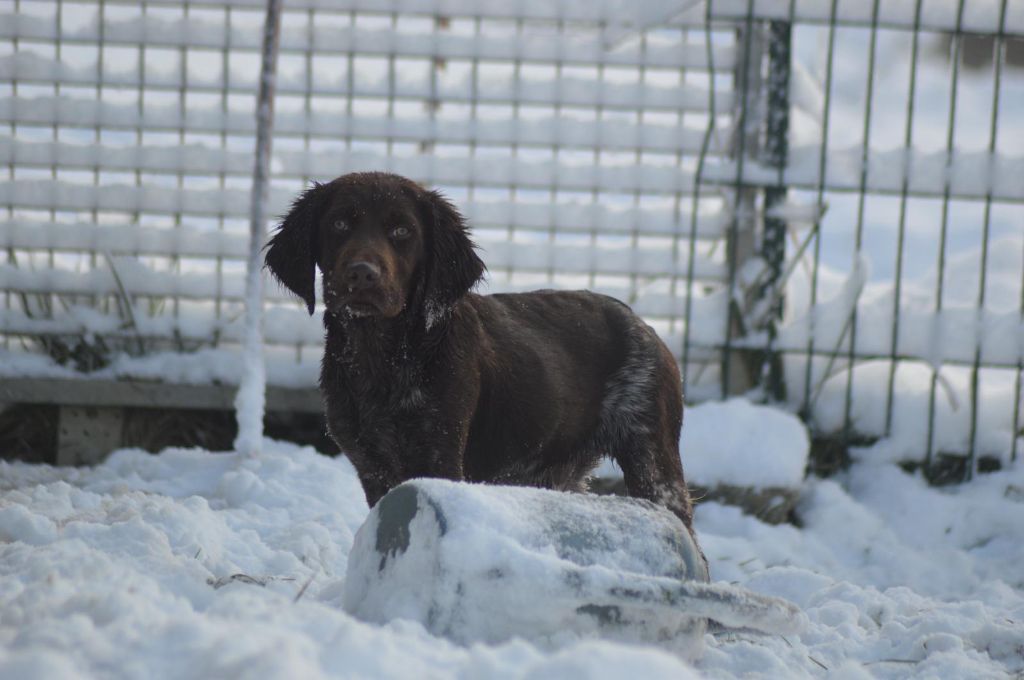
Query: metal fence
[[569, 138], [795, 194], [888, 173]]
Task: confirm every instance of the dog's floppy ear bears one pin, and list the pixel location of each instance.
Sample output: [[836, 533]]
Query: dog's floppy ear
[[291, 254], [453, 266]]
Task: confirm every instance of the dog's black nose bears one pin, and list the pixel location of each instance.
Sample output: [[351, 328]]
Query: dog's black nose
[[361, 275]]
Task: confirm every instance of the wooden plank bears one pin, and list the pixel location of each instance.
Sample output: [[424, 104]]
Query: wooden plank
[[147, 394]]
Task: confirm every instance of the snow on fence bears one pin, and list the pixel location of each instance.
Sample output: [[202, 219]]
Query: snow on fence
[[888, 183], [569, 134], [820, 198]]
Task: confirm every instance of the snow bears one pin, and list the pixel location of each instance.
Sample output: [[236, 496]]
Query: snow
[[285, 326], [122, 239], [739, 443], [133, 568], [550, 130], [206, 366], [743, 444], [610, 259], [974, 174], [571, 217], [538, 42], [137, 277], [983, 16], [498, 87], [111, 571], [908, 436], [979, 15], [488, 564], [944, 341], [478, 563], [250, 400], [204, 160], [150, 198]]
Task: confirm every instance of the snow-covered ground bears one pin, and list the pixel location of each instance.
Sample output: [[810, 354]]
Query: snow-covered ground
[[125, 570]]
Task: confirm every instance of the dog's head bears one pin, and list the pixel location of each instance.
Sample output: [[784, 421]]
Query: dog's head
[[383, 244]]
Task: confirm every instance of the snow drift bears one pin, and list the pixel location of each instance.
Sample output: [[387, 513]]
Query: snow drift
[[110, 572]]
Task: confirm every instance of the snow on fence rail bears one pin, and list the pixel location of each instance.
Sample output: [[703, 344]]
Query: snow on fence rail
[[543, 45], [978, 16]]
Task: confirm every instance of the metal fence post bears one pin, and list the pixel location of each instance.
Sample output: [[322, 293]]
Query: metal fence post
[[776, 153], [739, 372]]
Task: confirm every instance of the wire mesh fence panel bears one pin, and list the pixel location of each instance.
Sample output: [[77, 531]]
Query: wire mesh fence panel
[[572, 138], [819, 198], [901, 333]]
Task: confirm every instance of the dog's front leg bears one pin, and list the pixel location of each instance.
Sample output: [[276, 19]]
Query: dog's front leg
[[377, 475], [440, 449], [434, 448]]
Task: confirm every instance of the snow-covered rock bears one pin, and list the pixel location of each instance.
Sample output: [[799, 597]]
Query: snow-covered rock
[[482, 563]]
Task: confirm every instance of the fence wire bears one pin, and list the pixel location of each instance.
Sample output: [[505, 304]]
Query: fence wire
[[571, 140], [901, 330]]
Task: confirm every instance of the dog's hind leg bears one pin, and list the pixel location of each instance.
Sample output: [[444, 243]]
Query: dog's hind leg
[[652, 470], [641, 417]]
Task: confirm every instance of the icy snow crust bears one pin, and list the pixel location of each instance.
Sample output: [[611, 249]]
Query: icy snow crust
[[109, 571]]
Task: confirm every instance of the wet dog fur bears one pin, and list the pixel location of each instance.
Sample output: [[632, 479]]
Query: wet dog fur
[[423, 378]]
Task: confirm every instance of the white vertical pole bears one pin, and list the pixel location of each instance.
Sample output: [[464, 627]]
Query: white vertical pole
[[251, 397]]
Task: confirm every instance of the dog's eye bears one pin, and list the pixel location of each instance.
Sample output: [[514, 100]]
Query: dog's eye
[[400, 232], [340, 225]]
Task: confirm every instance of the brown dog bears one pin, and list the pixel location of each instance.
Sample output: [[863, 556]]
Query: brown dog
[[422, 378]]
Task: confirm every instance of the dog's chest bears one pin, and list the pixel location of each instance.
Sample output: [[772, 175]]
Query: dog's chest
[[367, 413]]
